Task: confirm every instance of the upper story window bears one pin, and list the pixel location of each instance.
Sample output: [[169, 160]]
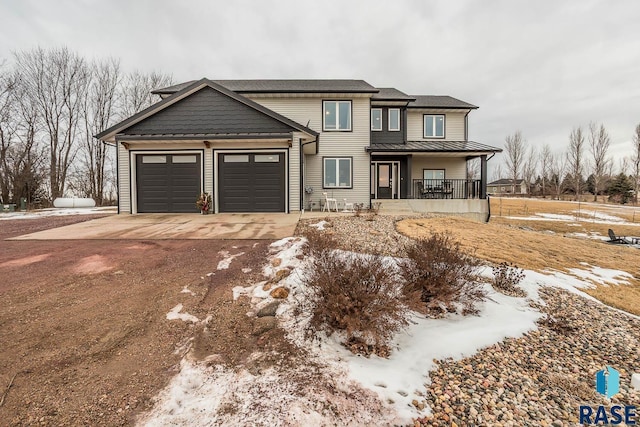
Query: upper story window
[[434, 125], [376, 119], [337, 115], [394, 119]]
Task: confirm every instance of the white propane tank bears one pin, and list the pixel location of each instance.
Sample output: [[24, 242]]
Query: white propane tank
[[73, 202]]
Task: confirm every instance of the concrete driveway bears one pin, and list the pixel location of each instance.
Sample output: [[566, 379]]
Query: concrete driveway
[[175, 226]]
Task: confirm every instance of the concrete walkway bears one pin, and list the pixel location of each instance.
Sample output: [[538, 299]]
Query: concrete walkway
[[175, 226]]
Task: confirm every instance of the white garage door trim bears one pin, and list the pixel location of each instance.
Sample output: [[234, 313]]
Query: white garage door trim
[[250, 151], [133, 177]]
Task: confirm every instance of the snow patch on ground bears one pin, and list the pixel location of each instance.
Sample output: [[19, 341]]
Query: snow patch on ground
[[214, 395], [590, 235], [319, 225], [186, 290], [602, 276], [246, 270], [226, 260], [597, 218], [599, 215], [57, 212], [175, 314]]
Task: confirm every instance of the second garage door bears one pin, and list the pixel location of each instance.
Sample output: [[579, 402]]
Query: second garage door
[[251, 182]]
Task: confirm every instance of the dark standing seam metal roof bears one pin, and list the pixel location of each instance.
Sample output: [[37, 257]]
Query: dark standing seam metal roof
[[438, 101], [152, 110], [435, 147], [391, 94], [283, 86]]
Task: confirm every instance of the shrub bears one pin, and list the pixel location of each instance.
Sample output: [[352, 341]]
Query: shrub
[[357, 295], [506, 278], [439, 277]]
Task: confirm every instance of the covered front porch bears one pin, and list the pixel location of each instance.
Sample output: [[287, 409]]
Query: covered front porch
[[429, 170]]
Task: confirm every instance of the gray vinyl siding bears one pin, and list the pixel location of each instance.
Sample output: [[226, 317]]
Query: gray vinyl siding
[[308, 111], [385, 136], [455, 167], [453, 125], [204, 112]]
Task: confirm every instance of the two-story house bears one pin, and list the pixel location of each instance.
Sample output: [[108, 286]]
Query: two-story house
[[256, 145]]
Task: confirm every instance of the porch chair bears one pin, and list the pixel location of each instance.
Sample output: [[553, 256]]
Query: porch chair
[[329, 203], [348, 206]]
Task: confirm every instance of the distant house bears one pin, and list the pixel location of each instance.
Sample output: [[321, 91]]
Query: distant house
[[265, 145], [506, 186]]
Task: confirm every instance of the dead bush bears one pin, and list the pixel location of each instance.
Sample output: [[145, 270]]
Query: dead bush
[[439, 277], [358, 295], [506, 278], [318, 241]]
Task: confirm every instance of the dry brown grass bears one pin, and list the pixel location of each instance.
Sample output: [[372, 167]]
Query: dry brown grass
[[506, 206], [503, 241]]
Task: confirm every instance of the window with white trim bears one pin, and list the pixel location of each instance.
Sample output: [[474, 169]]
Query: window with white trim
[[376, 119], [394, 119], [337, 172], [434, 125], [337, 115]]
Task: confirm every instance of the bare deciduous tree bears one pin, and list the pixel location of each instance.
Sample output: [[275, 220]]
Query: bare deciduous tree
[[546, 159], [558, 169], [473, 168], [599, 142], [99, 110], [497, 173], [635, 159], [530, 167], [57, 81], [575, 159], [136, 91], [515, 150]]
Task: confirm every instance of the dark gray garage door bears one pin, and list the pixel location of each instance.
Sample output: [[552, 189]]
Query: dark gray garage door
[[251, 182], [168, 182]]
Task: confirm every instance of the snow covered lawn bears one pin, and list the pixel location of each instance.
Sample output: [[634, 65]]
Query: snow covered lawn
[[40, 213]]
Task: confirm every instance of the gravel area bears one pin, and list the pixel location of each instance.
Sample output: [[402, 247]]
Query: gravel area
[[365, 234], [540, 379]]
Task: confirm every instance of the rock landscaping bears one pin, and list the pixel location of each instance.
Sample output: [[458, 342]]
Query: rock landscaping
[[539, 379]]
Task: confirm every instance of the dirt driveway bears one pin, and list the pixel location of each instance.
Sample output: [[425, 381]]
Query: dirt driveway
[[83, 329]]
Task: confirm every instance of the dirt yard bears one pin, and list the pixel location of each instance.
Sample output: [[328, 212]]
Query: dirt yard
[[83, 329]]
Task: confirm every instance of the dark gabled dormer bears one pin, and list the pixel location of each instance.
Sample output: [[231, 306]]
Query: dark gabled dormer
[[389, 116]]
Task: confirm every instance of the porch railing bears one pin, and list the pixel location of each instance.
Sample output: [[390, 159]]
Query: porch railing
[[445, 189]]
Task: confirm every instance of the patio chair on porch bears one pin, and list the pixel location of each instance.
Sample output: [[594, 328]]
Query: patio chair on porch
[[329, 203]]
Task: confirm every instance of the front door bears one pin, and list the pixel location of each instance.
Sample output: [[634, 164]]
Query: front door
[[385, 180]]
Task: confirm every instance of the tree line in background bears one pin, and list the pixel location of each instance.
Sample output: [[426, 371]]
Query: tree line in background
[[52, 102], [583, 167]]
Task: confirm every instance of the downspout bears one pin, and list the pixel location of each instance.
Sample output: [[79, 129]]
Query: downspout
[[489, 197], [488, 208], [466, 126], [303, 171]]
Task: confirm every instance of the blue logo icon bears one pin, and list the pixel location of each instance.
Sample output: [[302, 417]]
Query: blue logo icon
[[608, 382]]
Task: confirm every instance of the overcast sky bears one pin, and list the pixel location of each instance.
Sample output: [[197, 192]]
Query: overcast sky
[[541, 67]]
